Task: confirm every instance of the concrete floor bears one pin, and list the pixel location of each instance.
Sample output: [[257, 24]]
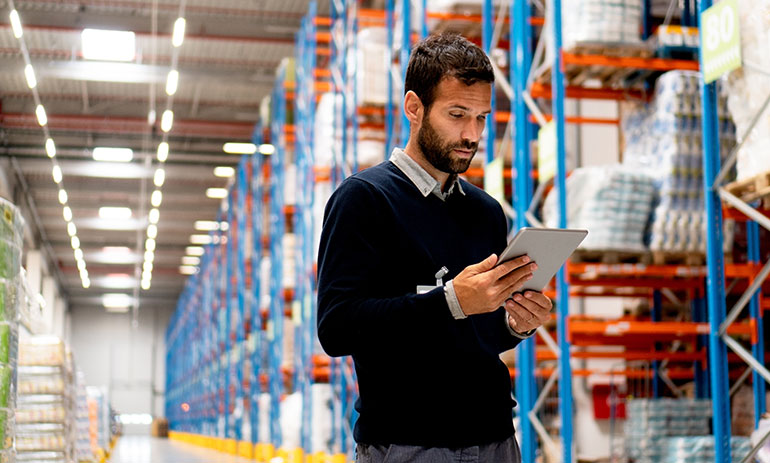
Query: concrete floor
[[146, 449]]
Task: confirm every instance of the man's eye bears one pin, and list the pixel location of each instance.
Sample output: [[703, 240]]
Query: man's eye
[[456, 115], [482, 118]]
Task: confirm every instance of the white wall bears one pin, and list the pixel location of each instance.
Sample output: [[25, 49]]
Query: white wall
[[114, 355]]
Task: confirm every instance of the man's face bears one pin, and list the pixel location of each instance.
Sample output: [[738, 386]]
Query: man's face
[[450, 130]]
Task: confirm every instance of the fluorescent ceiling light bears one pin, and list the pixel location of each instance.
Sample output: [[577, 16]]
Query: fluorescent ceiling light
[[115, 213], [194, 251], [172, 82], [16, 24], [149, 244], [108, 45], [29, 73], [267, 149], [160, 177], [78, 254], [81, 265], [71, 229], [146, 284], [206, 225], [147, 266], [191, 260], [152, 231], [84, 274], [147, 274], [188, 270], [178, 36], [75, 242], [50, 148], [63, 196], [162, 152], [156, 199], [149, 256], [224, 226], [224, 171], [56, 172], [118, 250], [86, 283], [42, 118], [151, 117], [167, 120], [154, 216], [239, 148], [200, 239], [102, 153], [216, 193], [67, 214]]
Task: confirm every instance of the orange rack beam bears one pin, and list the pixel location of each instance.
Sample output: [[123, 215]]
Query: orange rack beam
[[636, 270], [548, 354], [673, 373], [539, 90], [654, 64], [731, 213]]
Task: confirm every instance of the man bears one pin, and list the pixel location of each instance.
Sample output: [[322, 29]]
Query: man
[[431, 385]]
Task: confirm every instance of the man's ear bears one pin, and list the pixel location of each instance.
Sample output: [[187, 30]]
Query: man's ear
[[413, 108]]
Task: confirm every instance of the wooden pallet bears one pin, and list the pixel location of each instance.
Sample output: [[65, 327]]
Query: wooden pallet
[[752, 189], [678, 258], [611, 77], [610, 257]]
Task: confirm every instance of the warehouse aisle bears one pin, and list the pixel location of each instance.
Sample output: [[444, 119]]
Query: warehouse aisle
[[146, 449]]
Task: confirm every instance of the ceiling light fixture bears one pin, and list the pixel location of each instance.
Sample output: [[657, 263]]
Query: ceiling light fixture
[[188, 270], [116, 300], [151, 117], [216, 193], [146, 284], [152, 231], [178, 36], [108, 154], [107, 45], [71, 229], [63, 197], [86, 283], [172, 82], [16, 24], [147, 267], [194, 250], [206, 225], [42, 118], [115, 213], [156, 199], [160, 177], [162, 152], [56, 173], [29, 73], [67, 214], [191, 260], [267, 149], [239, 148], [50, 148], [154, 216], [78, 254], [200, 239], [224, 171], [75, 242], [167, 120], [149, 256], [149, 244]]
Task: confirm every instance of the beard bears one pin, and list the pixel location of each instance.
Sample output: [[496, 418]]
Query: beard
[[440, 154]]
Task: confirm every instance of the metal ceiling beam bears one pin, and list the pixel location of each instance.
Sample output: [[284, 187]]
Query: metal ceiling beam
[[130, 125], [87, 168], [197, 100], [214, 157]]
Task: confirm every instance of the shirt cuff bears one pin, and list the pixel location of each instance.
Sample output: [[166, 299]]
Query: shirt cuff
[[526, 335], [453, 302]]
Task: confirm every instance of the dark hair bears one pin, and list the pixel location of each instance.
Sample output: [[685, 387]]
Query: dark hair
[[445, 55]]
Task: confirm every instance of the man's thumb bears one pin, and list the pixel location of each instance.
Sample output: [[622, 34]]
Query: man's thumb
[[487, 264]]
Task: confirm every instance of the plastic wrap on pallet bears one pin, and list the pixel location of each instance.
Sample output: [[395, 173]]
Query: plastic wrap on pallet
[[263, 417], [291, 419], [664, 137], [289, 260], [372, 53], [597, 22], [612, 202], [749, 86], [763, 456]]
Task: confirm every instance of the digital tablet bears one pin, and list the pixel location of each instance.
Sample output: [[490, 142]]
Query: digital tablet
[[549, 248]]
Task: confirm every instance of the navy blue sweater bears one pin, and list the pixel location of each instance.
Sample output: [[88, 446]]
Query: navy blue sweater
[[424, 377]]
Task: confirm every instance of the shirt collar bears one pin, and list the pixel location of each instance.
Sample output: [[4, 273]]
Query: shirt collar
[[421, 178]]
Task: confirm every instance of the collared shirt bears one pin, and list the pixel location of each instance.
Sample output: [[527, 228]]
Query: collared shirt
[[429, 185]]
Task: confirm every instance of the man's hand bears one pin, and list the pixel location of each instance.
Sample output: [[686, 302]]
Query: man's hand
[[528, 311], [482, 287]]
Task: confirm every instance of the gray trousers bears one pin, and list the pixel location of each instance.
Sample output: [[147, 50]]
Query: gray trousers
[[506, 451]]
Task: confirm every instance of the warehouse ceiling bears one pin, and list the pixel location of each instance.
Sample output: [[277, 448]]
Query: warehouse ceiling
[[226, 66]]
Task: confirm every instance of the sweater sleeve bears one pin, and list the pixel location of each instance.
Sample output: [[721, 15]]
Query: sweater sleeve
[[351, 316]]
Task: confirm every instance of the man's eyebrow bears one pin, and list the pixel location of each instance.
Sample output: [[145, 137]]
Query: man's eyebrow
[[463, 108]]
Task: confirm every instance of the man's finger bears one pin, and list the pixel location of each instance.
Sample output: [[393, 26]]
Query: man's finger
[[509, 266], [521, 321], [485, 265]]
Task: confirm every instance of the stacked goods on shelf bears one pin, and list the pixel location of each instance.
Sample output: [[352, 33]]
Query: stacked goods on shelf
[[100, 423], [83, 450], [291, 419], [664, 138], [612, 202], [673, 431], [749, 86], [44, 411], [598, 23], [11, 235]]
